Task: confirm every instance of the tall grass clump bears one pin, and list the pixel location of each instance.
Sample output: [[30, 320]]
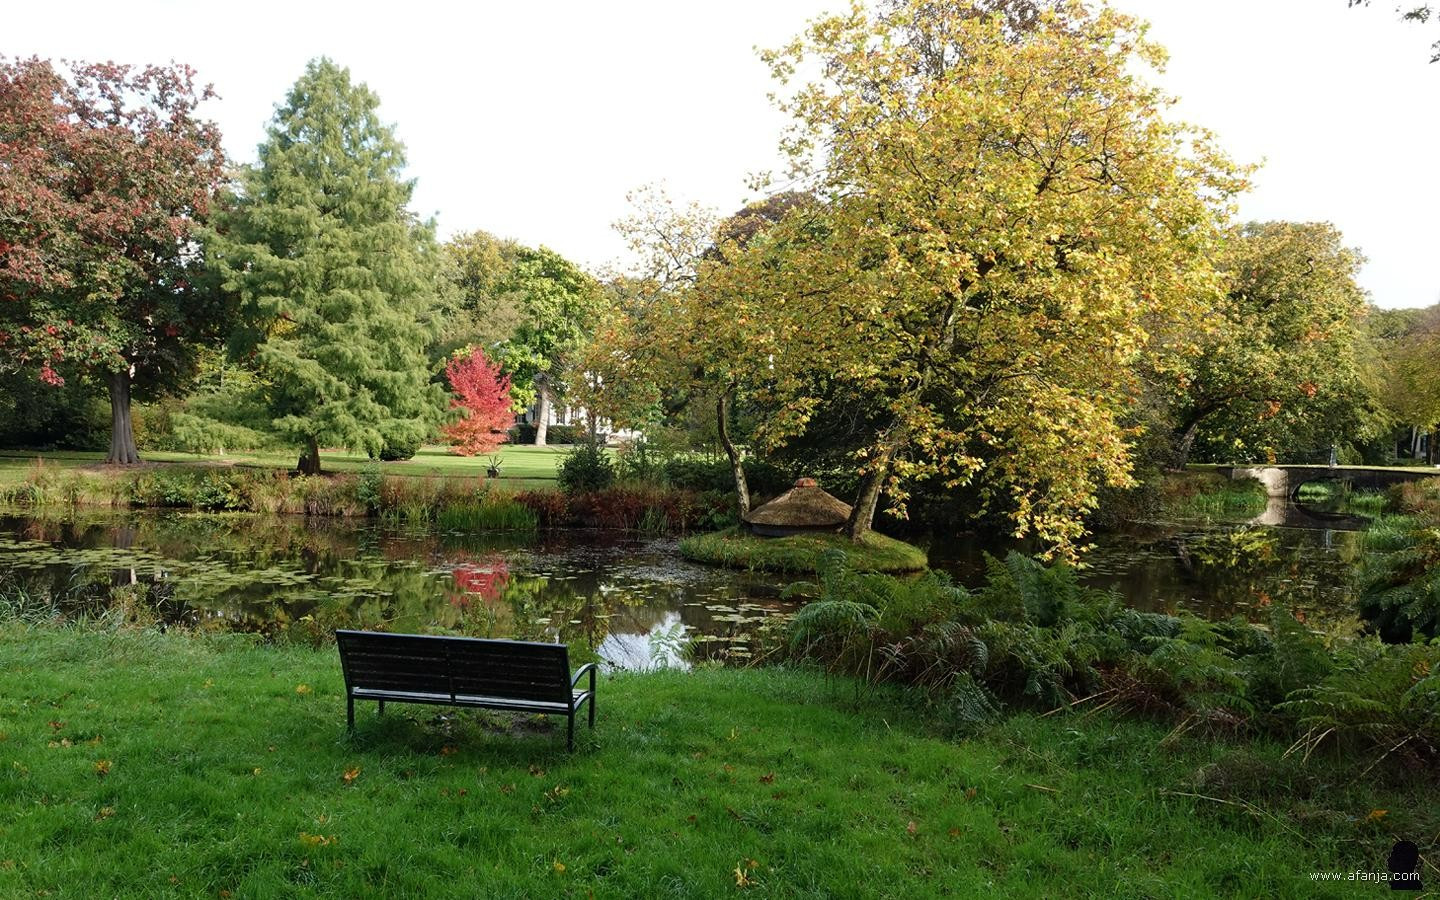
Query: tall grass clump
[[492, 513]]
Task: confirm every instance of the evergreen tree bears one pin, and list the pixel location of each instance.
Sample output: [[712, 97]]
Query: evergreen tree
[[337, 279]]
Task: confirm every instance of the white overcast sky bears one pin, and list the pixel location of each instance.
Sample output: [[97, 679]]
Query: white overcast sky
[[533, 120]]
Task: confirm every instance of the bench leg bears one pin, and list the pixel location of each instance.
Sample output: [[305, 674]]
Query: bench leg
[[382, 708], [349, 713], [591, 701], [570, 733]]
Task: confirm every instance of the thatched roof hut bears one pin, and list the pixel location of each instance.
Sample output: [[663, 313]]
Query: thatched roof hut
[[803, 508]]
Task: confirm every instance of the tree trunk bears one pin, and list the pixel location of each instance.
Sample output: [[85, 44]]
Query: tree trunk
[[542, 409], [310, 460], [722, 421], [1432, 449], [122, 430], [862, 515], [1184, 441]]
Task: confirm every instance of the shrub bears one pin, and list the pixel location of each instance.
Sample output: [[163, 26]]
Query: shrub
[[569, 434], [184, 487], [636, 461], [587, 468], [551, 508], [398, 450], [369, 489]]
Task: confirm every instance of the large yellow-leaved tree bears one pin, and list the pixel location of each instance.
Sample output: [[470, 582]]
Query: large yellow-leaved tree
[[1003, 216]]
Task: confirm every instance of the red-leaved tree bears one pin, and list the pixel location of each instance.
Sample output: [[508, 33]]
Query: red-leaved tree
[[105, 173], [483, 396]]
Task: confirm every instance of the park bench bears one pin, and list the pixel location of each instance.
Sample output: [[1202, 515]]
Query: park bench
[[515, 676]]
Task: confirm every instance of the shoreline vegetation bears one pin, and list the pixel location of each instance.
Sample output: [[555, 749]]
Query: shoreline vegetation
[[801, 554], [456, 501], [214, 764]]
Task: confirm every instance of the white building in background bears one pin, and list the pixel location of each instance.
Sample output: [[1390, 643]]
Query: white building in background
[[562, 413]]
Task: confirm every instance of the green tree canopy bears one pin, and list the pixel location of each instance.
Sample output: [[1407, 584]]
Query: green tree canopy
[[1278, 369], [560, 306], [485, 310], [337, 278]]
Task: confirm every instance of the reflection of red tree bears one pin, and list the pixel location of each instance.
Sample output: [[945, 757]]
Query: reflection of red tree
[[485, 578]]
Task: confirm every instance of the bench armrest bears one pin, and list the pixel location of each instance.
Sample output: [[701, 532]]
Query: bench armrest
[[580, 673]]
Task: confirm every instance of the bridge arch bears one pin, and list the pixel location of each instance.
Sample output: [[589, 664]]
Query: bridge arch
[[1286, 481]]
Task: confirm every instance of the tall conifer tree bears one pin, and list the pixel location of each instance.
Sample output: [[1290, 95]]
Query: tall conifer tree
[[337, 278]]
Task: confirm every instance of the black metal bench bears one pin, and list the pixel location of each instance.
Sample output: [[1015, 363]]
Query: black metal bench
[[518, 676]]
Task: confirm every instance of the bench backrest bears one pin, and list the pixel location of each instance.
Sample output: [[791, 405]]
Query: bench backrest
[[518, 670]]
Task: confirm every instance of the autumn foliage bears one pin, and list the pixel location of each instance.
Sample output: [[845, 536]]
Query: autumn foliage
[[483, 396], [105, 173]]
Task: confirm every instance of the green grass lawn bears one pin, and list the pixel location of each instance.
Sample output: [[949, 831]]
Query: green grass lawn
[[144, 764], [520, 466]]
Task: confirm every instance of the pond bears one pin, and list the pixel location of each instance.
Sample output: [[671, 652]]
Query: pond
[[629, 598]]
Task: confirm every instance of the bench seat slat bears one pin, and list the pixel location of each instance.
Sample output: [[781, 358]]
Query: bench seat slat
[[475, 700]]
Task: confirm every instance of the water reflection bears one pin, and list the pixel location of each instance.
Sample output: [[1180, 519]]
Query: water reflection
[[1290, 554], [633, 601]]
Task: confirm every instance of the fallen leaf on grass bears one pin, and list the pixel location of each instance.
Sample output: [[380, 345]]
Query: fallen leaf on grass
[[558, 866], [56, 726], [507, 788], [742, 877], [316, 840], [768, 779], [102, 768], [447, 750], [351, 774], [105, 812], [1376, 815], [302, 689], [536, 771], [910, 826]]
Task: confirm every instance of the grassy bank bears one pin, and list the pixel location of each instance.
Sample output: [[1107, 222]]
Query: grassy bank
[[800, 554], [448, 503], [520, 466], [141, 764]]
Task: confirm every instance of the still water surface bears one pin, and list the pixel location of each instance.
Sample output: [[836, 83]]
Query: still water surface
[[630, 598]]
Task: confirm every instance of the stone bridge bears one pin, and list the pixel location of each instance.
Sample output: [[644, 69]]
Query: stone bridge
[[1285, 481]]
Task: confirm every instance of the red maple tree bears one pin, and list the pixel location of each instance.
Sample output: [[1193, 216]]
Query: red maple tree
[[483, 396]]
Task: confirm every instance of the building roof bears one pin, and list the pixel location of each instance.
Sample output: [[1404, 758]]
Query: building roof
[[803, 506]]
